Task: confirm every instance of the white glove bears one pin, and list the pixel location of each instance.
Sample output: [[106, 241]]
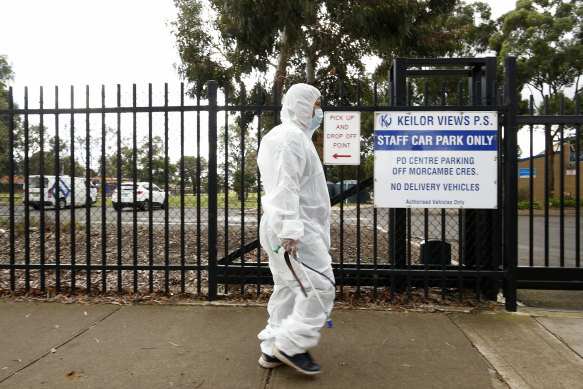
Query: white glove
[[290, 245]]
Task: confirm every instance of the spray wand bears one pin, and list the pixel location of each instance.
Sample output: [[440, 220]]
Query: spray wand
[[286, 256]]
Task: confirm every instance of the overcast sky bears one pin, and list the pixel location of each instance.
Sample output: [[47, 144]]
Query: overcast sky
[[80, 42]]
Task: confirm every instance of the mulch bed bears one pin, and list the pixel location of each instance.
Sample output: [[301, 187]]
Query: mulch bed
[[151, 285]]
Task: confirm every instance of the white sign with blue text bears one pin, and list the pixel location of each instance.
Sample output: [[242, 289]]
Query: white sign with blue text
[[436, 159]]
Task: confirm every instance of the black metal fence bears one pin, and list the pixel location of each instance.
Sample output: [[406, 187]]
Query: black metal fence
[[549, 252], [201, 234]]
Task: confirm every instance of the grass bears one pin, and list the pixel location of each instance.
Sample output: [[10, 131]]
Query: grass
[[190, 201]]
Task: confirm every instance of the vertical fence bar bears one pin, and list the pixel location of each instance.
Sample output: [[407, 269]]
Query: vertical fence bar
[[57, 197], [26, 196], [259, 117], [375, 218], [242, 187], [87, 206], [497, 227], [118, 193], [358, 224], [226, 184], [398, 225], [531, 189], [150, 214], [182, 234], [480, 229], [394, 75], [443, 222], [510, 185], [103, 187], [11, 188], [460, 267], [198, 188], [212, 201], [342, 207], [409, 269], [166, 202], [408, 219], [134, 187], [562, 186], [460, 222], [548, 150], [341, 176], [426, 211], [73, 193], [42, 192], [578, 161]]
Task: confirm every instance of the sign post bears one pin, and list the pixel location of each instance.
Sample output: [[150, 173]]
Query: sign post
[[342, 138], [436, 159]]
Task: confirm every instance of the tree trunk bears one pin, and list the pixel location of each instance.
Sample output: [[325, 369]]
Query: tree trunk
[[311, 70], [282, 60]]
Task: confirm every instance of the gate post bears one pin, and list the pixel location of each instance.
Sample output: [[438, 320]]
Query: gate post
[[212, 192], [398, 217], [510, 185]]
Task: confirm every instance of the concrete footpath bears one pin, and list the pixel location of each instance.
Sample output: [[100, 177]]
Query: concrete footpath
[[52, 345]]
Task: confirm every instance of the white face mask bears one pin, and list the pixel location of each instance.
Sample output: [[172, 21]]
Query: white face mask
[[317, 119]]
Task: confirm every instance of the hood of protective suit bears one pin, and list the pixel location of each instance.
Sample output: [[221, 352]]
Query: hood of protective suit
[[298, 105]]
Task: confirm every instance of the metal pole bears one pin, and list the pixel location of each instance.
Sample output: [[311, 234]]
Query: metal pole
[[212, 192], [510, 186]]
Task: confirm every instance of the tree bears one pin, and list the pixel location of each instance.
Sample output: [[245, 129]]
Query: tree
[[6, 75], [47, 166], [303, 40], [546, 36], [155, 151], [240, 156], [125, 161], [191, 172]]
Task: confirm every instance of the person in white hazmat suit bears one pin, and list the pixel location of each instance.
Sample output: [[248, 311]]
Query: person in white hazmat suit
[[296, 216]]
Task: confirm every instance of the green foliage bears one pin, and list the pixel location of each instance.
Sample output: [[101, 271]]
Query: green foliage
[[318, 41], [249, 182], [545, 36], [526, 205], [553, 203], [6, 75], [191, 167], [235, 155]]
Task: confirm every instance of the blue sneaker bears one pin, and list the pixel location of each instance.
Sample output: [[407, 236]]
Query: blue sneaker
[[269, 362], [301, 362]]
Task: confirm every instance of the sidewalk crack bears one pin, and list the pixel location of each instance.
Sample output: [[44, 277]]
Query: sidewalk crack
[[560, 339], [268, 379], [499, 376], [61, 345]]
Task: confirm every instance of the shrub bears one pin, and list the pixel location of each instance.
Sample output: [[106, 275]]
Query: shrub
[[526, 204]]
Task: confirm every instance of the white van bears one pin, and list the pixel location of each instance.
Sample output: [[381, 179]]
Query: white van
[[83, 194]]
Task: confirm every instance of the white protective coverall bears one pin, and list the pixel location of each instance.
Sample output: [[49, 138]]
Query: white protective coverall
[[296, 205]]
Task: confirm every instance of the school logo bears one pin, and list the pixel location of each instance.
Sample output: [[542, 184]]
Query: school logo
[[385, 120]]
